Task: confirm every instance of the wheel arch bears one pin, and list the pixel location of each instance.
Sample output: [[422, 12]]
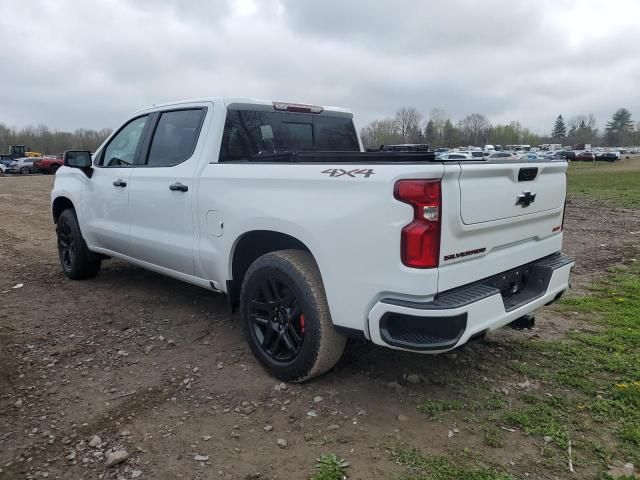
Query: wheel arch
[[60, 204], [247, 248]]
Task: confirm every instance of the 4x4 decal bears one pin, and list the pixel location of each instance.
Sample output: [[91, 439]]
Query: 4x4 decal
[[339, 172]]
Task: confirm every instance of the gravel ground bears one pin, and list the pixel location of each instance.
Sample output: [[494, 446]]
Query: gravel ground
[[134, 375]]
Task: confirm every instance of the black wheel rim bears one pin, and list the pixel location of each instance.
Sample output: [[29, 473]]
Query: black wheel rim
[[66, 245], [277, 320]]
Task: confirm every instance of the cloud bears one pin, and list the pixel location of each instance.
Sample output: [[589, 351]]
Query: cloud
[[73, 64]]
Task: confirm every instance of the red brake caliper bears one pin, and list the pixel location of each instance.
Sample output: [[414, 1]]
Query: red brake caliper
[[302, 324]]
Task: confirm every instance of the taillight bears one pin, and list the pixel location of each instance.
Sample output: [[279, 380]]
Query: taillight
[[420, 240]]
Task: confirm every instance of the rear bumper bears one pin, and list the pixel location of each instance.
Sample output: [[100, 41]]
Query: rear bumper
[[454, 317]]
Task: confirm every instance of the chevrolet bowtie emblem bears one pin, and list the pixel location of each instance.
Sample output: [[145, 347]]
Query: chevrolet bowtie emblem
[[525, 199]]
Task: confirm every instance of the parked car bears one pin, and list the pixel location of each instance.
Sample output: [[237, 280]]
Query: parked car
[[502, 156], [608, 156], [4, 163], [455, 156], [562, 154], [403, 250], [21, 165], [585, 157], [477, 154], [48, 164], [530, 157]]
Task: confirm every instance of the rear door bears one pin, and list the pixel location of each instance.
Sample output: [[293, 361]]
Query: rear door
[[499, 215], [163, 190]]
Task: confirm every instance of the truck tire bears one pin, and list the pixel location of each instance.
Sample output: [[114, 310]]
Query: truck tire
[[285, 316], [76, 260]]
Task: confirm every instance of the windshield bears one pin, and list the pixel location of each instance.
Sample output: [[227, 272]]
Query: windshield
[[249, 133]]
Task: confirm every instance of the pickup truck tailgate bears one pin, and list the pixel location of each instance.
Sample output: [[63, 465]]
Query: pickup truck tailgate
[[499, 191], [497, 216]]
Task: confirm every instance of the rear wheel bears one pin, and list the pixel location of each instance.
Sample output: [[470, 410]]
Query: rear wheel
[[54, 169], [78, 263], [286, 318], [25, 170]]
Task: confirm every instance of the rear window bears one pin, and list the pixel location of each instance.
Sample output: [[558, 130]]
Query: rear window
[[249, 133], [175, 137]]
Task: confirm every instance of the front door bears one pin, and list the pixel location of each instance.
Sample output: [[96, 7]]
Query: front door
[[162, 194], [106, 209]]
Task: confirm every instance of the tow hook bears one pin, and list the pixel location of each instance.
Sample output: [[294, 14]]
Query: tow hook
[[526, 321]]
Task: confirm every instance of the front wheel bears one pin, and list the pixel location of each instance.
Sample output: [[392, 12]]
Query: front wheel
[[286, 318], [77, 261], [54, 169]]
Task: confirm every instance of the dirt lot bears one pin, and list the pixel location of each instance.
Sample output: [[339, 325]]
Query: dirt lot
[[159, 368]]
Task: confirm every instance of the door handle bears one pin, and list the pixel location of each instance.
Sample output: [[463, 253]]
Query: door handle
[[178, 187], [120, 183]]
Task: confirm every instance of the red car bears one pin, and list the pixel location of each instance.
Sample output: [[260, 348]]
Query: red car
[[48, 164], [585, 157]]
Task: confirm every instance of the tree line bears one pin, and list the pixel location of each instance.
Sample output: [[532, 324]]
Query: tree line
[[438, 130], [42, 139], [408, 126]]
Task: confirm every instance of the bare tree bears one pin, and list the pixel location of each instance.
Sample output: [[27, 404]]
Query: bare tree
[[582, 120], [474, 128], [380, 132], [42, 139], [439, 118], [409, 124]]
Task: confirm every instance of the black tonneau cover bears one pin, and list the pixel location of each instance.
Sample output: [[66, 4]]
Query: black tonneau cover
[[341, 157], [372, 157]]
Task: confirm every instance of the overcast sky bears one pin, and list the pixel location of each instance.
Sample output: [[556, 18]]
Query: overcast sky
[[72, 63]]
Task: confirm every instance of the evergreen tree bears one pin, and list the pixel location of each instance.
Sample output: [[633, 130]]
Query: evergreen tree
[[559, 128], [450, 134], [430, 133], [619, 127]]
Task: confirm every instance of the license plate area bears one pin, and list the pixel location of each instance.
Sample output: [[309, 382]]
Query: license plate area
[[511, 282], [521, 285]]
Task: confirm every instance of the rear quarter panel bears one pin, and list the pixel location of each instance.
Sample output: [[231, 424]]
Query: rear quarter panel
[[351, 225]]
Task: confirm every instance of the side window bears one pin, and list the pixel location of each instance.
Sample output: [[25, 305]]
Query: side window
[[121, 150], [175, 137]]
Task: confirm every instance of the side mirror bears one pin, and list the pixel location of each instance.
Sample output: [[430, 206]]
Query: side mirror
[[80, 159]]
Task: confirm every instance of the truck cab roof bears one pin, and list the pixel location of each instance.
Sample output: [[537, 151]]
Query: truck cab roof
[[244, 101]]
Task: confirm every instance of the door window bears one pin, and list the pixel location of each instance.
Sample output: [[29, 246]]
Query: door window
[[175, 137], [121, 150]]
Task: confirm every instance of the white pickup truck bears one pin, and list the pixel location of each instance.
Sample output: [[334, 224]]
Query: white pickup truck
[[279, 207]]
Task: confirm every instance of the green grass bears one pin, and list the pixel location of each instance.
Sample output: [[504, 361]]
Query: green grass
[[587, 389], [543, 416], [430, 467], [330, 467], [612, 183], [434, 407], [494, 437], [598, 372]]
